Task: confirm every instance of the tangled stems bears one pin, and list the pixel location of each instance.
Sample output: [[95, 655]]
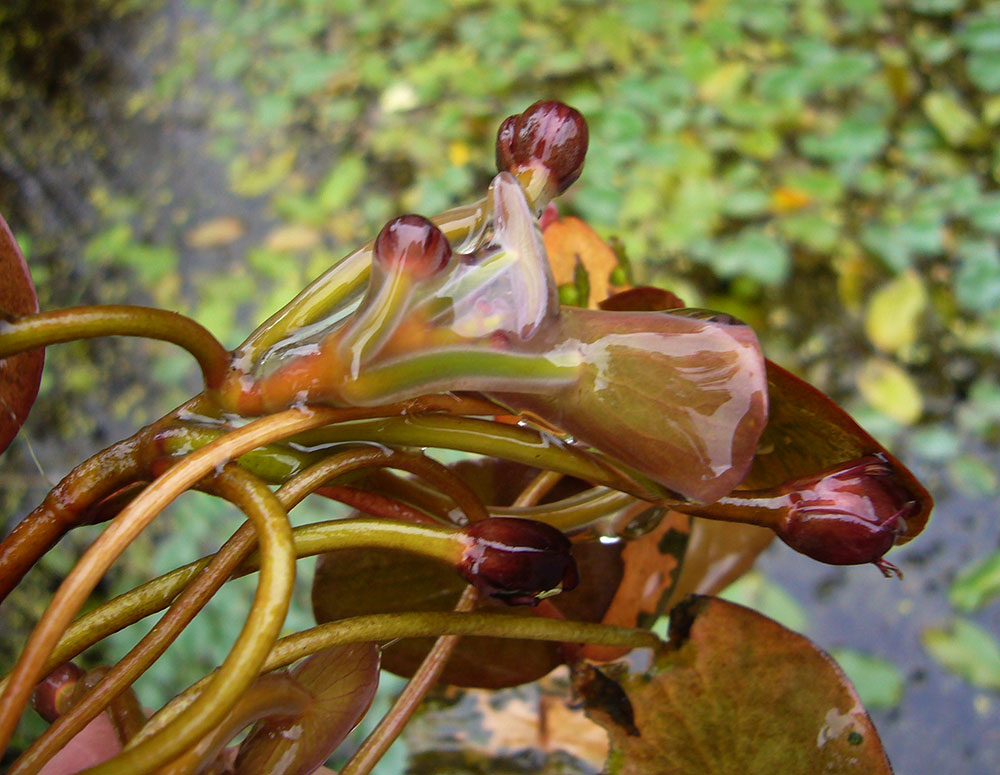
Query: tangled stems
[[256, 501], [391, 726], [387, 627], [80, 582], [246, 490], [242, 665], [68, 503], [39, 330]]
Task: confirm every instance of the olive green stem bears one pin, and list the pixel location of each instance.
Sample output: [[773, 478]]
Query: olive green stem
[[470, 368], [386, 627], [243, 663], [65, 325], [511, 442], [434, 542], [254, 499], [80, 581]]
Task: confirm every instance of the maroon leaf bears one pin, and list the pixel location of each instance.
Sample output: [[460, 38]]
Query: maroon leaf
[[734, 692], [20, 374]]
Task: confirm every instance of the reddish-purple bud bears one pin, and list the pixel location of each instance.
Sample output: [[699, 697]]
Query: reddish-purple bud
[[53, 696], [549, 134], [849, 515], [413, 242], [517, 561]]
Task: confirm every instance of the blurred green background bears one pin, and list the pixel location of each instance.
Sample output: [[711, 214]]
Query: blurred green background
[[827, 170]]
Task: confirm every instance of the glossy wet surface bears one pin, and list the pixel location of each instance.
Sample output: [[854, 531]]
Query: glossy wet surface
[[130, 173]]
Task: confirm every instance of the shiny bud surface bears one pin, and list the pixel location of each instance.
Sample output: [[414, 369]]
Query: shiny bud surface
[[415, 244], [517, 561], [548, 133], [53, 695], [849, 515]]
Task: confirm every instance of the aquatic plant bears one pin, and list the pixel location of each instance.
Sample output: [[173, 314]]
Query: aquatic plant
[[603, 439]]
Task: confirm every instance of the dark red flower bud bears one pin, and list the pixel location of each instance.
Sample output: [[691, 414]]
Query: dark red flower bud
[[849, 515], [549, 134], [415, 243], [53, 695], [517, 561]]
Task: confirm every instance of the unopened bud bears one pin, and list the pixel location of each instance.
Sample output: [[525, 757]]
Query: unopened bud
[[849, 515], [413, 242], [517, 561], [54, 695], [548, 134]]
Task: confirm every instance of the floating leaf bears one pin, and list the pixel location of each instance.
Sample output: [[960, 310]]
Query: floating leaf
[[890, 390], [968, 650], [878, 681], [977, 584], [973, 476], [952, 119], [252, 177], [895, 311], [20, 374], [735, 692]]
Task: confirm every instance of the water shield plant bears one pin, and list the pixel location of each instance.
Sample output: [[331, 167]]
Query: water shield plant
[[600, 440]]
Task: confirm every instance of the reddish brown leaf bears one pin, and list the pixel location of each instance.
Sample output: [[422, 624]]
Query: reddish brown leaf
[[735, 692], [651, 566], [20, 374], [357, 582]]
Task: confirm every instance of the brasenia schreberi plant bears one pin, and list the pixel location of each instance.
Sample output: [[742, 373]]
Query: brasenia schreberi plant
[[634, 421]]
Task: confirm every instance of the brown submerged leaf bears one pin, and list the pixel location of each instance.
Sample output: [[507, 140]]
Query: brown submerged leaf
[[20, 374], [735, 692], [342, 681]]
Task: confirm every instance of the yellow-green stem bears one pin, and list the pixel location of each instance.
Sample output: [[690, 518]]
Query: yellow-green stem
[[65, 325], [243, 663], [80, 581]]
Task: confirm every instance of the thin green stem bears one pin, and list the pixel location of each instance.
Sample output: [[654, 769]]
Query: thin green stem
[[439, 543], [65, 325], [462, 369], [80, 581], [386, 627], [240, 488], [511, 442], [243, 664]]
